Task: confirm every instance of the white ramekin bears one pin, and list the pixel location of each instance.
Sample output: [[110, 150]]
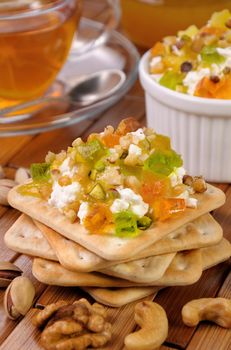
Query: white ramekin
[[200, 128]]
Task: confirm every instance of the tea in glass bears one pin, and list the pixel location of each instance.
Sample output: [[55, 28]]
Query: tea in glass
[[35, 39], [147, 21]]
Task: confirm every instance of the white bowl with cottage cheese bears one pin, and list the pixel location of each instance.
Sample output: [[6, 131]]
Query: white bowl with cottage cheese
[[200, 128]]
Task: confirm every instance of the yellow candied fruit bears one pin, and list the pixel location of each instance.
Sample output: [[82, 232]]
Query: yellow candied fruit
[[99, 219]]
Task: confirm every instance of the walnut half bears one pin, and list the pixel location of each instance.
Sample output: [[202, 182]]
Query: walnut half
[[74, 326]]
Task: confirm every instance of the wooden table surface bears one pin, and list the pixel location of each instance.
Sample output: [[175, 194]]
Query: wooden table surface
[[20, 152]]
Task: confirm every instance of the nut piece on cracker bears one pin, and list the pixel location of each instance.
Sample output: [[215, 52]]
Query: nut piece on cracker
[[217, 310], [73, 326], [153, 321]]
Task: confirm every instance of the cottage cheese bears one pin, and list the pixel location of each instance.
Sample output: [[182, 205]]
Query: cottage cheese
[[155, 61], [176, 177], [129, 200], [83, 211], [138, 135], [193, 78], [189, 201], [134, 150], [65, 168], [63, 195]]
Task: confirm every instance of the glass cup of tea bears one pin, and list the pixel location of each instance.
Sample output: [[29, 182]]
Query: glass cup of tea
[[35, 40], [147, 21]]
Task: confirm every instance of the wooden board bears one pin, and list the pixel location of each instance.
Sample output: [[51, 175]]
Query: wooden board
[[21, 151]]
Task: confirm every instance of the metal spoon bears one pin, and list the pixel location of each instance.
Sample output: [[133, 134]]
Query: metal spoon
[[83, 92]]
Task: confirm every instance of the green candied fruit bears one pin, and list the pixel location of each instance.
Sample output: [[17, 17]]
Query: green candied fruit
[[144, 223], [31, 189], [90, 151], [219, 19], [100, 165], [210, 55], [126, 224], [163, 162], [40, 171], [171, 79], [97, 192], [190, 32]]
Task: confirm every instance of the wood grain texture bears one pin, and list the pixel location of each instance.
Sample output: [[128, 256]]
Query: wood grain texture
[[210, 336], [173, 299], [7, 220], [11, 146]]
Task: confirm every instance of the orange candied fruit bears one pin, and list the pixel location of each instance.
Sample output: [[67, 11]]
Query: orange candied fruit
[[151, 190], [164, 208], [210, 89], [111, 140], [99, 219], [158, 49]]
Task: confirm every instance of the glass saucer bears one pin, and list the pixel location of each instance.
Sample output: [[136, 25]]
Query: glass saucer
[[118, 52]]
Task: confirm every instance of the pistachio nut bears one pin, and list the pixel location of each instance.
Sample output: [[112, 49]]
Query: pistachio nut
[[8, 272], [5, 186], [19, 297], [22, 175]]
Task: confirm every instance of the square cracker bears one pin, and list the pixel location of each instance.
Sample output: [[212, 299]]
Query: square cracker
[[107, 246], [24, 237], [202, 232], [186, 268], [117, 297], [142, 270], [216, 254]]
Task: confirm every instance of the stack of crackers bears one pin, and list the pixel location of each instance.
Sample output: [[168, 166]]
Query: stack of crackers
[[116, 270]]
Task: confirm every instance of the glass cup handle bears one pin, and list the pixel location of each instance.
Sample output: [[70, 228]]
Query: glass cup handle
[[111, 24]]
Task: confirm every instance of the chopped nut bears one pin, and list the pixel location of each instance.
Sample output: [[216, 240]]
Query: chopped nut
[[197, 45], [227, 70], [187, 180], [73, 326], [199, 184], [64, 180]]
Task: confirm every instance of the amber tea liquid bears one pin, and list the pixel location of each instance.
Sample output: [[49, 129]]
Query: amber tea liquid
[[32, 52], [147, 21]]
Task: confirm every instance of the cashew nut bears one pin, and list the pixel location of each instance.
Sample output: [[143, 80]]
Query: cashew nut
[[153, 321], [217, 310]]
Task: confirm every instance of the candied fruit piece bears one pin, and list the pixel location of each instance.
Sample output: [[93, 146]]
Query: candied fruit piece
[[219, 19], [127, 125], [99, 219], [171, 79], [189, 32], [210, 55], [111, 140], [152, 188], [164, 208], [126, 224], [163, 162], [158, 49]]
